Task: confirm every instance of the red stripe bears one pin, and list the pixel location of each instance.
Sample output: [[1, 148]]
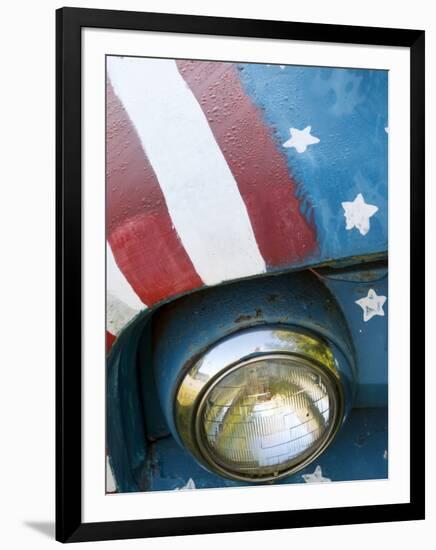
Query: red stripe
[[282, 232], [146, 247], [110, 339]]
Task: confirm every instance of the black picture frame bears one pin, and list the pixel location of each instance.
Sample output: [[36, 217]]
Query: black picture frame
[[69, 22]]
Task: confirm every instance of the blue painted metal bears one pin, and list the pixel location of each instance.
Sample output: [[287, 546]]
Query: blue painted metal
[[347, 110], [359, 452], [127, 446], [190, 325], [155, 423], [370, 338], [321, 303]]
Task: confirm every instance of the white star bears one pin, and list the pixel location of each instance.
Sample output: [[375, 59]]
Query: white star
[[357, 214], [190, 485], [316, 477], [371, 305], [300, 139], [282, 66]]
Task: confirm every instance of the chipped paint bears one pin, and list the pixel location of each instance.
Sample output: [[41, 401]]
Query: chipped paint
[[360, 273], [188, 487], [372, 305], [358, 213], [316, 477], [110, 480], [118, 314], [118, 284]]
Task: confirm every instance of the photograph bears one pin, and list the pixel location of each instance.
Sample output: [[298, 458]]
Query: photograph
[[246, 274], [216, 304]]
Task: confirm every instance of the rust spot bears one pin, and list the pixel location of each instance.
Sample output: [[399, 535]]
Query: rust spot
[[242, 318]]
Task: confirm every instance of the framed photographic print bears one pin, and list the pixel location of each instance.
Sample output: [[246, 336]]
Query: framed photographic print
[[240, 252]]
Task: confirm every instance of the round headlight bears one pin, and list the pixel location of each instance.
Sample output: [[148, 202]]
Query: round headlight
[[260, 405]]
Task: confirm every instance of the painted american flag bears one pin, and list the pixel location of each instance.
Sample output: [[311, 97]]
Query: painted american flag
[[219, 171]]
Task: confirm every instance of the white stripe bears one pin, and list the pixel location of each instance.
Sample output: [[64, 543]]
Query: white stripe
[[118, 314], [200, 191], [117, 284], [111, 486]]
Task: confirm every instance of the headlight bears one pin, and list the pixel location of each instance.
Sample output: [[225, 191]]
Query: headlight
[[261, 404]]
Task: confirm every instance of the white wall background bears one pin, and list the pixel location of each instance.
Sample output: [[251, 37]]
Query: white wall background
[[27, 210]]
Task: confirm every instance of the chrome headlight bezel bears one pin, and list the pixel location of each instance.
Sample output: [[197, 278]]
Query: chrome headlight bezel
[[235, 352]]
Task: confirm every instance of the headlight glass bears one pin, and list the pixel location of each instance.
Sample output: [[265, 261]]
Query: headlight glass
[[260, 404], [264, 416]]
